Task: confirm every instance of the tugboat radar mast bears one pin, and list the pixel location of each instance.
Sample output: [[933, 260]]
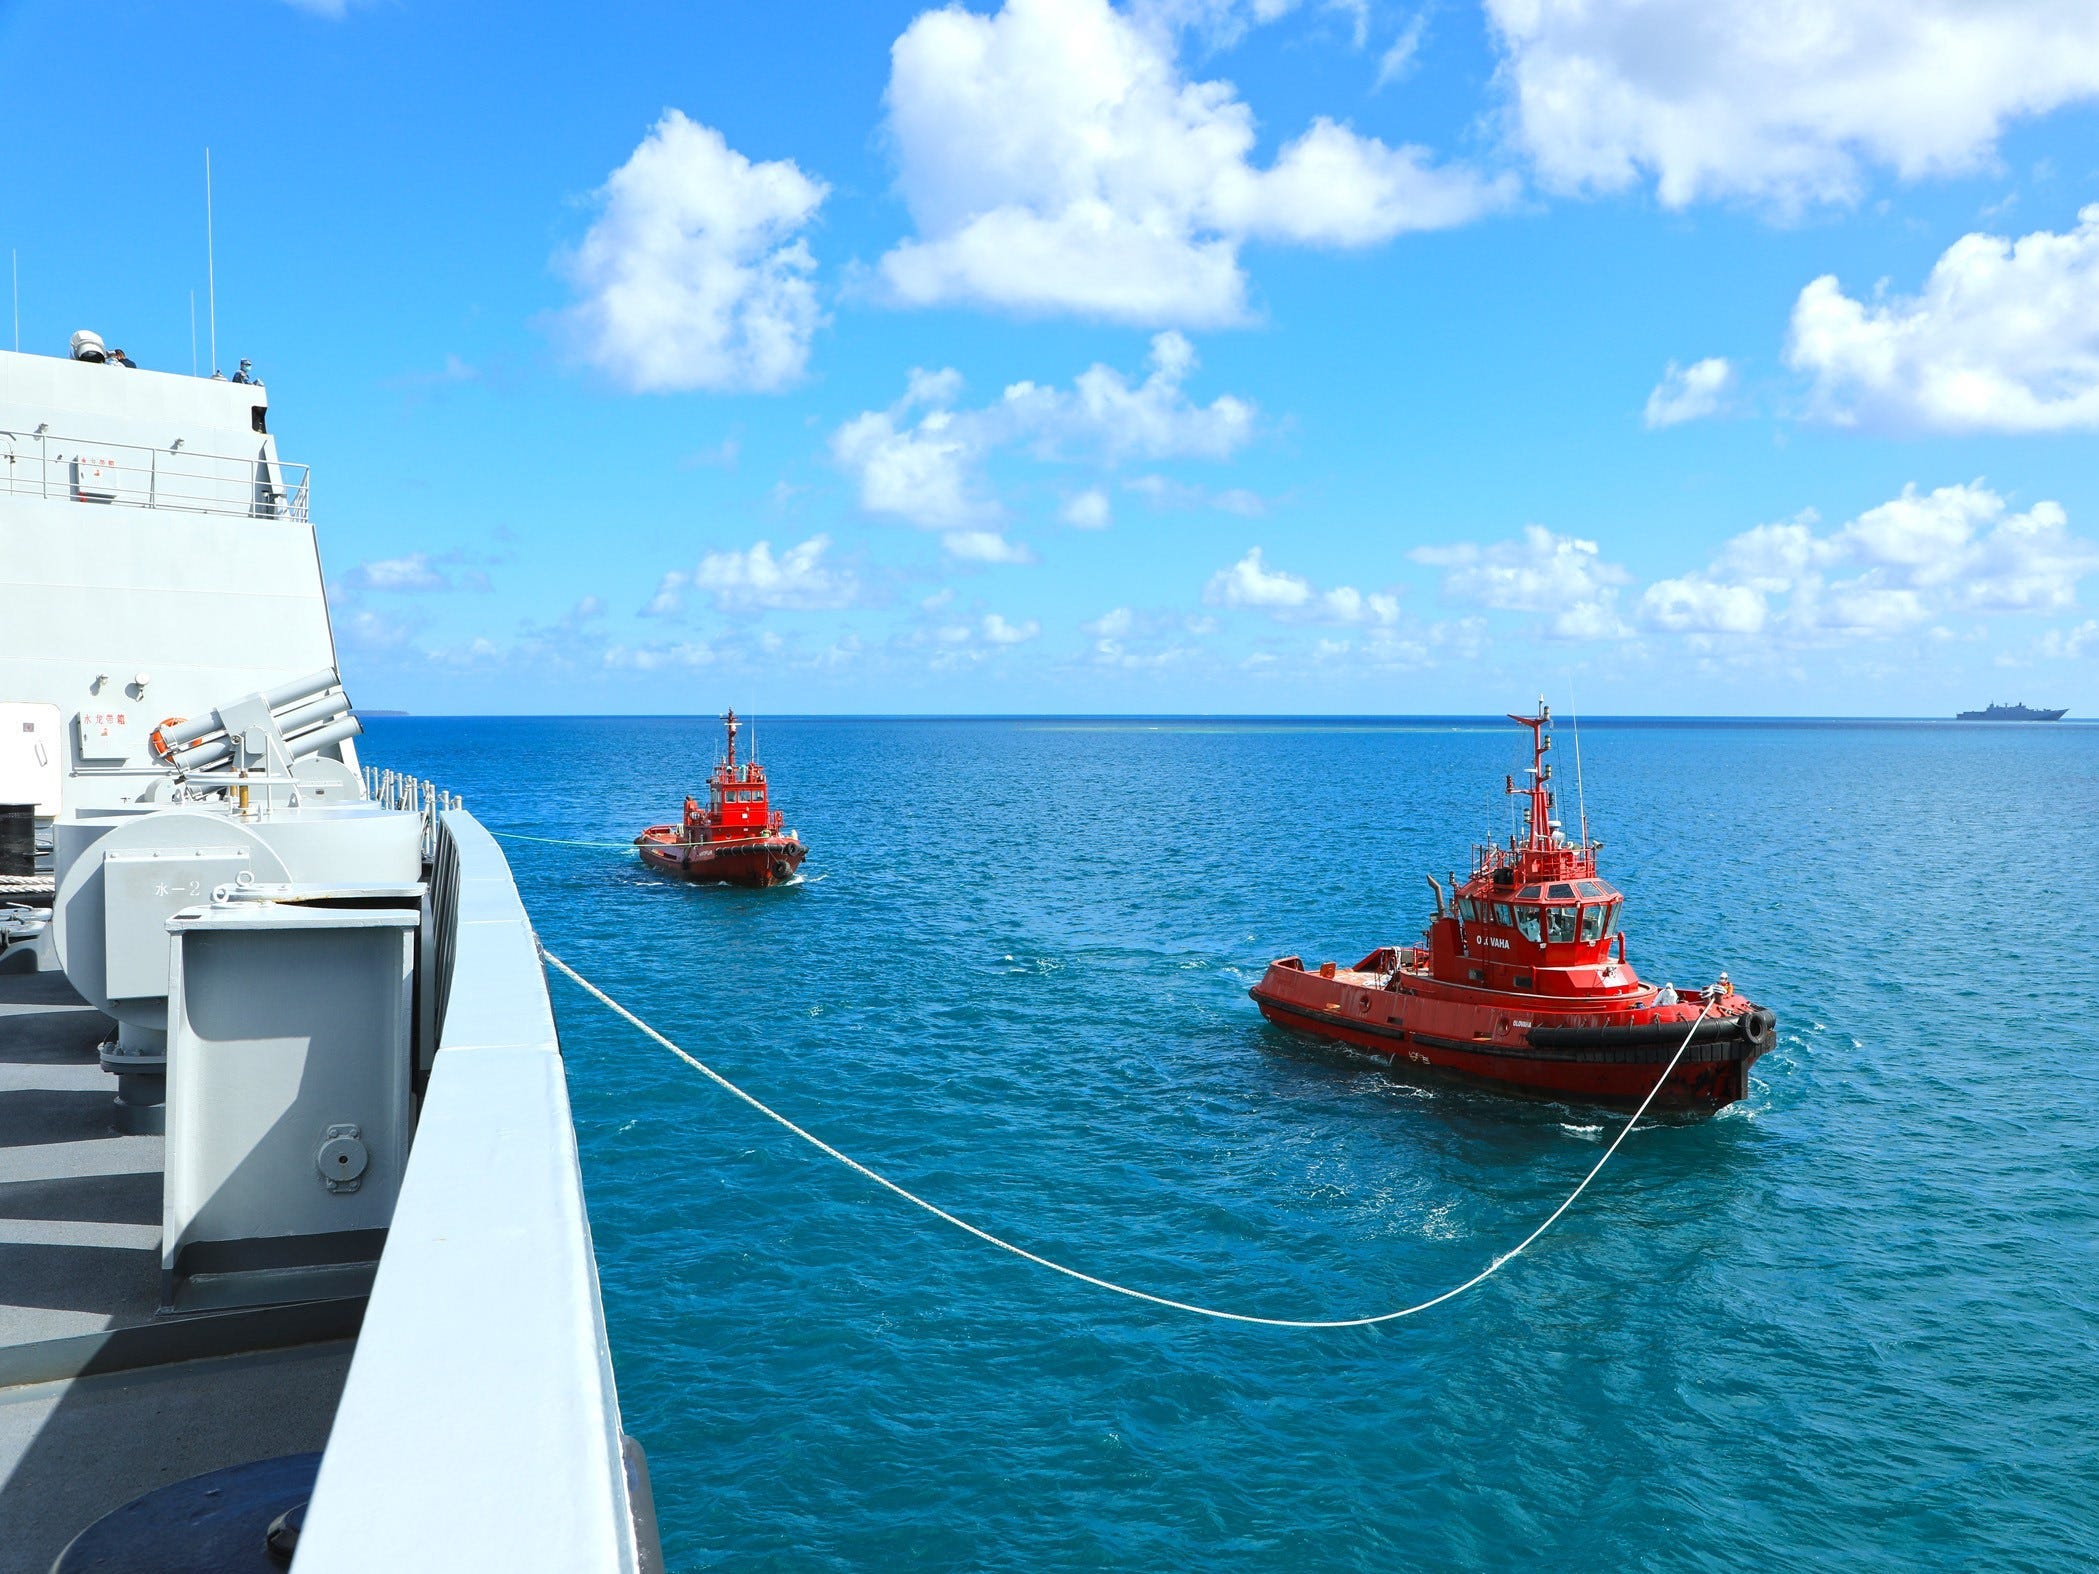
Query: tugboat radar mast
[[1542, 852]]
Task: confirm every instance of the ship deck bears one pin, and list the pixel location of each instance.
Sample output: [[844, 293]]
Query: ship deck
[[102, 1396]]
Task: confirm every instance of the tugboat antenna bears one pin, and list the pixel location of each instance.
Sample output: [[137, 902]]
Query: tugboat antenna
[[1581, 800]]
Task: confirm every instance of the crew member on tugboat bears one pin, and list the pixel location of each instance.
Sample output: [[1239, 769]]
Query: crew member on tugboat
[[1521, 981], [737, 838]]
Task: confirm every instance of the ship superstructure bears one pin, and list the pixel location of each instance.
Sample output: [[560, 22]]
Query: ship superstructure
[[289, 1202]]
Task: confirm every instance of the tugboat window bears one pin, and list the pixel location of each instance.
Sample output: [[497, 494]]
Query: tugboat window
[[1527, 922], [1592, 922], [1503, 916], [1561, 893], [1529, 893], [1465, 908], [1559, 923], [1594, 889]]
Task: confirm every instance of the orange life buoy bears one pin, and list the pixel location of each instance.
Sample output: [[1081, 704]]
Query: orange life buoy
[[160, 746]]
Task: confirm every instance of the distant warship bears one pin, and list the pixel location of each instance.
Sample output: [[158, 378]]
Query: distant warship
[[2011, 713]]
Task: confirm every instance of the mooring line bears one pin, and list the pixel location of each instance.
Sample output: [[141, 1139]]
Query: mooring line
[[557, 841], [562, 841], [986, 1236], [618, 847]]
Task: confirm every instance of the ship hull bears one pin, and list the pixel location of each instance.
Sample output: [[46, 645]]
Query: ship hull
[[757, 861], [1585, 1056]]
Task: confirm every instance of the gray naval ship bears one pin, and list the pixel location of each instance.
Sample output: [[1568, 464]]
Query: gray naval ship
[[294, 1263], [2018, 712]]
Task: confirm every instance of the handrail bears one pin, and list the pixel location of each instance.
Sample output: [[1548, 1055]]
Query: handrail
[[179, 478], [479, 1427]]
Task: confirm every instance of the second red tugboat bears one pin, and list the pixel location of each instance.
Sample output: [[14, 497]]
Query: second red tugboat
[[1516, 983], [737, 838]]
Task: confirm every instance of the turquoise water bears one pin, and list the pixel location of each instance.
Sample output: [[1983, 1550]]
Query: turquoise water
[[1852, 1322]]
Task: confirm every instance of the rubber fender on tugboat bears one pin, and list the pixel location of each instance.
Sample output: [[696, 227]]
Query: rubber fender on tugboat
[[1639, 1034]]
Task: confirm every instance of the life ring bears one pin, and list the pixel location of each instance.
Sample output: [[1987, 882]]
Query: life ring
[[160, 744]]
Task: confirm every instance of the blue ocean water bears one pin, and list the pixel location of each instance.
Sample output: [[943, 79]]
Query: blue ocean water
[[1852, 1322]]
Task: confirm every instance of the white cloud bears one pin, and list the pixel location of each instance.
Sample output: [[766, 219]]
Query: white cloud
[[1088, 510], [920, 459], [1153, 419], [916, 470], [1166, 492], [1894, 568], [363, 629], [413, 572], [1399, 57], [1562, 576], [657, 658], [2004, 337], [1128, 641], [999, 632], [963, 643], [1251, 584], [695, 274], [757, 580], [1222, 24], [1690, 393], [1696, 605], [1055, 159], [2070, 644], [985, 546], [1780, 101]]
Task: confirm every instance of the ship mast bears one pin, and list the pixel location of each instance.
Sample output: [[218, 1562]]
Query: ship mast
[[1539, 808], [733, 724]]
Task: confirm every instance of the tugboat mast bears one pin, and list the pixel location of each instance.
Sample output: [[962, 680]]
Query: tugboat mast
[[1542, 852], [1539, 810]]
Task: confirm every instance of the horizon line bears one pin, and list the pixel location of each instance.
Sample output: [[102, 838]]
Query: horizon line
[[383, 714]]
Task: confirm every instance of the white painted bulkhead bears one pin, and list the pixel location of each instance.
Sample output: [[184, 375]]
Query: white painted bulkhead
[[184, 561]]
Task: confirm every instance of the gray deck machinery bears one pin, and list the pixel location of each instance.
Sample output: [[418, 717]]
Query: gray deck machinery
[[250, 918]]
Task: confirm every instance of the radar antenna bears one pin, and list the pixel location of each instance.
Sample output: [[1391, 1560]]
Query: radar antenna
[[211, 271]]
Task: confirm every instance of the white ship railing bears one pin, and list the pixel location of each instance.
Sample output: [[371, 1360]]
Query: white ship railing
[[479, 1427], [188, 480]]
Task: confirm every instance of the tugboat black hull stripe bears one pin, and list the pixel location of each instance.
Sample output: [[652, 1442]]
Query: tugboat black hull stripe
[[1610, 1046]]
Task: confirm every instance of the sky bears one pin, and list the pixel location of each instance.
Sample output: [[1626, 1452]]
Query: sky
[[1733, 357]]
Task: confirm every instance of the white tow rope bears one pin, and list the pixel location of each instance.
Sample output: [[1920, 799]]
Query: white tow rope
[[1104, 1284]]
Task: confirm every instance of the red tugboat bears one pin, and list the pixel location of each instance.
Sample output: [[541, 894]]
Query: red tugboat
[[737, 839], [1522, 982]]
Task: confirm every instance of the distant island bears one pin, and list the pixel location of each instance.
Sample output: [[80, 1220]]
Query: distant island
[[2011, 713], [363, 712]]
